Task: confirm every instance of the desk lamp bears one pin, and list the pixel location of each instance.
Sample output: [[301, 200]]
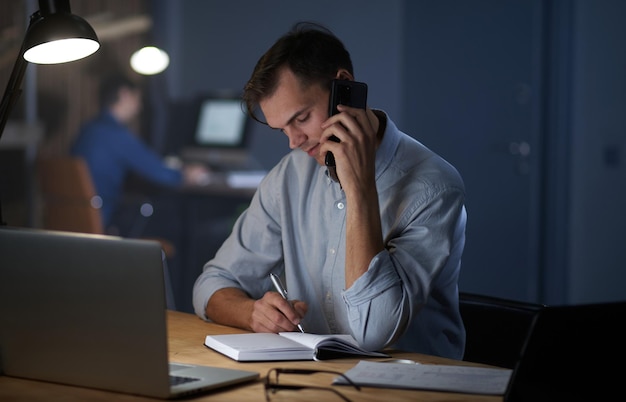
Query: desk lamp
[[54, 35]]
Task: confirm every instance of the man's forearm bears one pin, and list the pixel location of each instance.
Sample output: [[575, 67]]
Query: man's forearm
[[232, 307], [363, 236]]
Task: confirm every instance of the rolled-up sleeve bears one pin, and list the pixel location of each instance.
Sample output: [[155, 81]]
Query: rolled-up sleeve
[[398, 282]]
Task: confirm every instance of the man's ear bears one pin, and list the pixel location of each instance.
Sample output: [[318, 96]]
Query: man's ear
[[343, 74]]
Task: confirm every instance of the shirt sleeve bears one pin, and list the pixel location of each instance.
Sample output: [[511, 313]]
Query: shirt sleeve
[[397, 284], [143, 161]]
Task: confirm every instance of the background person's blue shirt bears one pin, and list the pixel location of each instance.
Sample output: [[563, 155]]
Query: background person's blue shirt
[[112, 151]]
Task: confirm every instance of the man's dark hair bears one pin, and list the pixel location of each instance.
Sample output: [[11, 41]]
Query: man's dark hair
[[110, 87], [311, 51]]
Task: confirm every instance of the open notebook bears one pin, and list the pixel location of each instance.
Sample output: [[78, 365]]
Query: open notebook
[[259, 346], [89, 310]]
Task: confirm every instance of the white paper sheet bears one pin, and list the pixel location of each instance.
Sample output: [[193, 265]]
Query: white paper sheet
[[474, 380]]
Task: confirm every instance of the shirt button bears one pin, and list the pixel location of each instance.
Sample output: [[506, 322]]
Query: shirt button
[[340, 205], [332, 251]]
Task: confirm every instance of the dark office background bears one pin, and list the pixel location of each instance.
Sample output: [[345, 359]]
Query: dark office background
[[527, 98]]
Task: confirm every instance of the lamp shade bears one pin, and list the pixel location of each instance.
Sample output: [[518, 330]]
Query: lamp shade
[[59, 38]]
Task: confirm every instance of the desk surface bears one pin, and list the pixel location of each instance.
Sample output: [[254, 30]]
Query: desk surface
[[239, 184], [186, 335]]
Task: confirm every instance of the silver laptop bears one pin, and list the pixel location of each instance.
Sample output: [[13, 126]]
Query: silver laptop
[[89, 310]]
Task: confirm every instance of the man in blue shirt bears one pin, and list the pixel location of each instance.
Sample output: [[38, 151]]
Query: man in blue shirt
[[377, 256], [112, 151]]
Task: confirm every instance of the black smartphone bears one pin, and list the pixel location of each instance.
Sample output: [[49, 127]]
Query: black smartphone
[[349, 93]]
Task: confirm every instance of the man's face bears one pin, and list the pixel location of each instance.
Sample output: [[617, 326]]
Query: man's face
[[128, 104], [298, 112]]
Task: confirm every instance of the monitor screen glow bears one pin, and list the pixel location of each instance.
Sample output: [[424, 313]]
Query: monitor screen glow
[[221, 123]]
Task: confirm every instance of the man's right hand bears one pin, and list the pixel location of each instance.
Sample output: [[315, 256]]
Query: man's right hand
[[196, 174], [272, 313]]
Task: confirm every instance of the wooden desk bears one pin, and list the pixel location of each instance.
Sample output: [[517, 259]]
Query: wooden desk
[[186, 337]]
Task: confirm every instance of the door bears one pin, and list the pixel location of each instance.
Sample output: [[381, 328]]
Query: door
[[473, 96]]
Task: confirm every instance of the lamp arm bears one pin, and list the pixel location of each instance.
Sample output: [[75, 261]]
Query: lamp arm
[[10, 97], [13, 91], [13, 88]]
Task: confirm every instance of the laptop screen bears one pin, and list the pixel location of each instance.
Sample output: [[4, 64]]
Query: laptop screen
[[573, 353], [221, 122]]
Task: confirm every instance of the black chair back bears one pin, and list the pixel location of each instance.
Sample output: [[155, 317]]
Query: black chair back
[[496, 328]]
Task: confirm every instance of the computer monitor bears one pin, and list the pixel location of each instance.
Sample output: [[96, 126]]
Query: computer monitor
[[221, 122], [218, 133]]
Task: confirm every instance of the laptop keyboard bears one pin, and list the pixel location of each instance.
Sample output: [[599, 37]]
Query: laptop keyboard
[[177, 380]]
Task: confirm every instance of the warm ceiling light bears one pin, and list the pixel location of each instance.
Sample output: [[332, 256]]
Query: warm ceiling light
[[149, 60]]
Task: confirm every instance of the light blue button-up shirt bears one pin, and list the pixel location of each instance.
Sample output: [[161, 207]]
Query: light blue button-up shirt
[[295, 227]]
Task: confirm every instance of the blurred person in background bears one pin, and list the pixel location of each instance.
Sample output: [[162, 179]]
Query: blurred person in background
[[113, 151]]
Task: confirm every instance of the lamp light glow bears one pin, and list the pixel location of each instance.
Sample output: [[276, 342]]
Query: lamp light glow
[[149, 60], [61, 51]]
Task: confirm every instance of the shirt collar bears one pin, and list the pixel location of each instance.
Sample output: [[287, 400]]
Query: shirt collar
[[389, 143]]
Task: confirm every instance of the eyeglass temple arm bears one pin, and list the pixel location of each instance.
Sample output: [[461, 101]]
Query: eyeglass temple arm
[[301, 387], [313, 371]]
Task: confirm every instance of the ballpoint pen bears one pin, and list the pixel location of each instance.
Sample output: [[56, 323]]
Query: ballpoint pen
[[282, 291]]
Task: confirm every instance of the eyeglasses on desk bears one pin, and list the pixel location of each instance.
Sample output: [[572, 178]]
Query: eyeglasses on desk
[[273, 388]]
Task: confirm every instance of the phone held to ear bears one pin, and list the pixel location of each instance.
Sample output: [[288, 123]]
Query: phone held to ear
[[348, 93]]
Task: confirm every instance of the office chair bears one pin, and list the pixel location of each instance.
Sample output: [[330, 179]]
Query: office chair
[[496, 328], [69, 199], [70, 203]]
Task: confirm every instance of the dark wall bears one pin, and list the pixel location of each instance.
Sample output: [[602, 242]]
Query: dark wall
[[474, 94], [598, 142]]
